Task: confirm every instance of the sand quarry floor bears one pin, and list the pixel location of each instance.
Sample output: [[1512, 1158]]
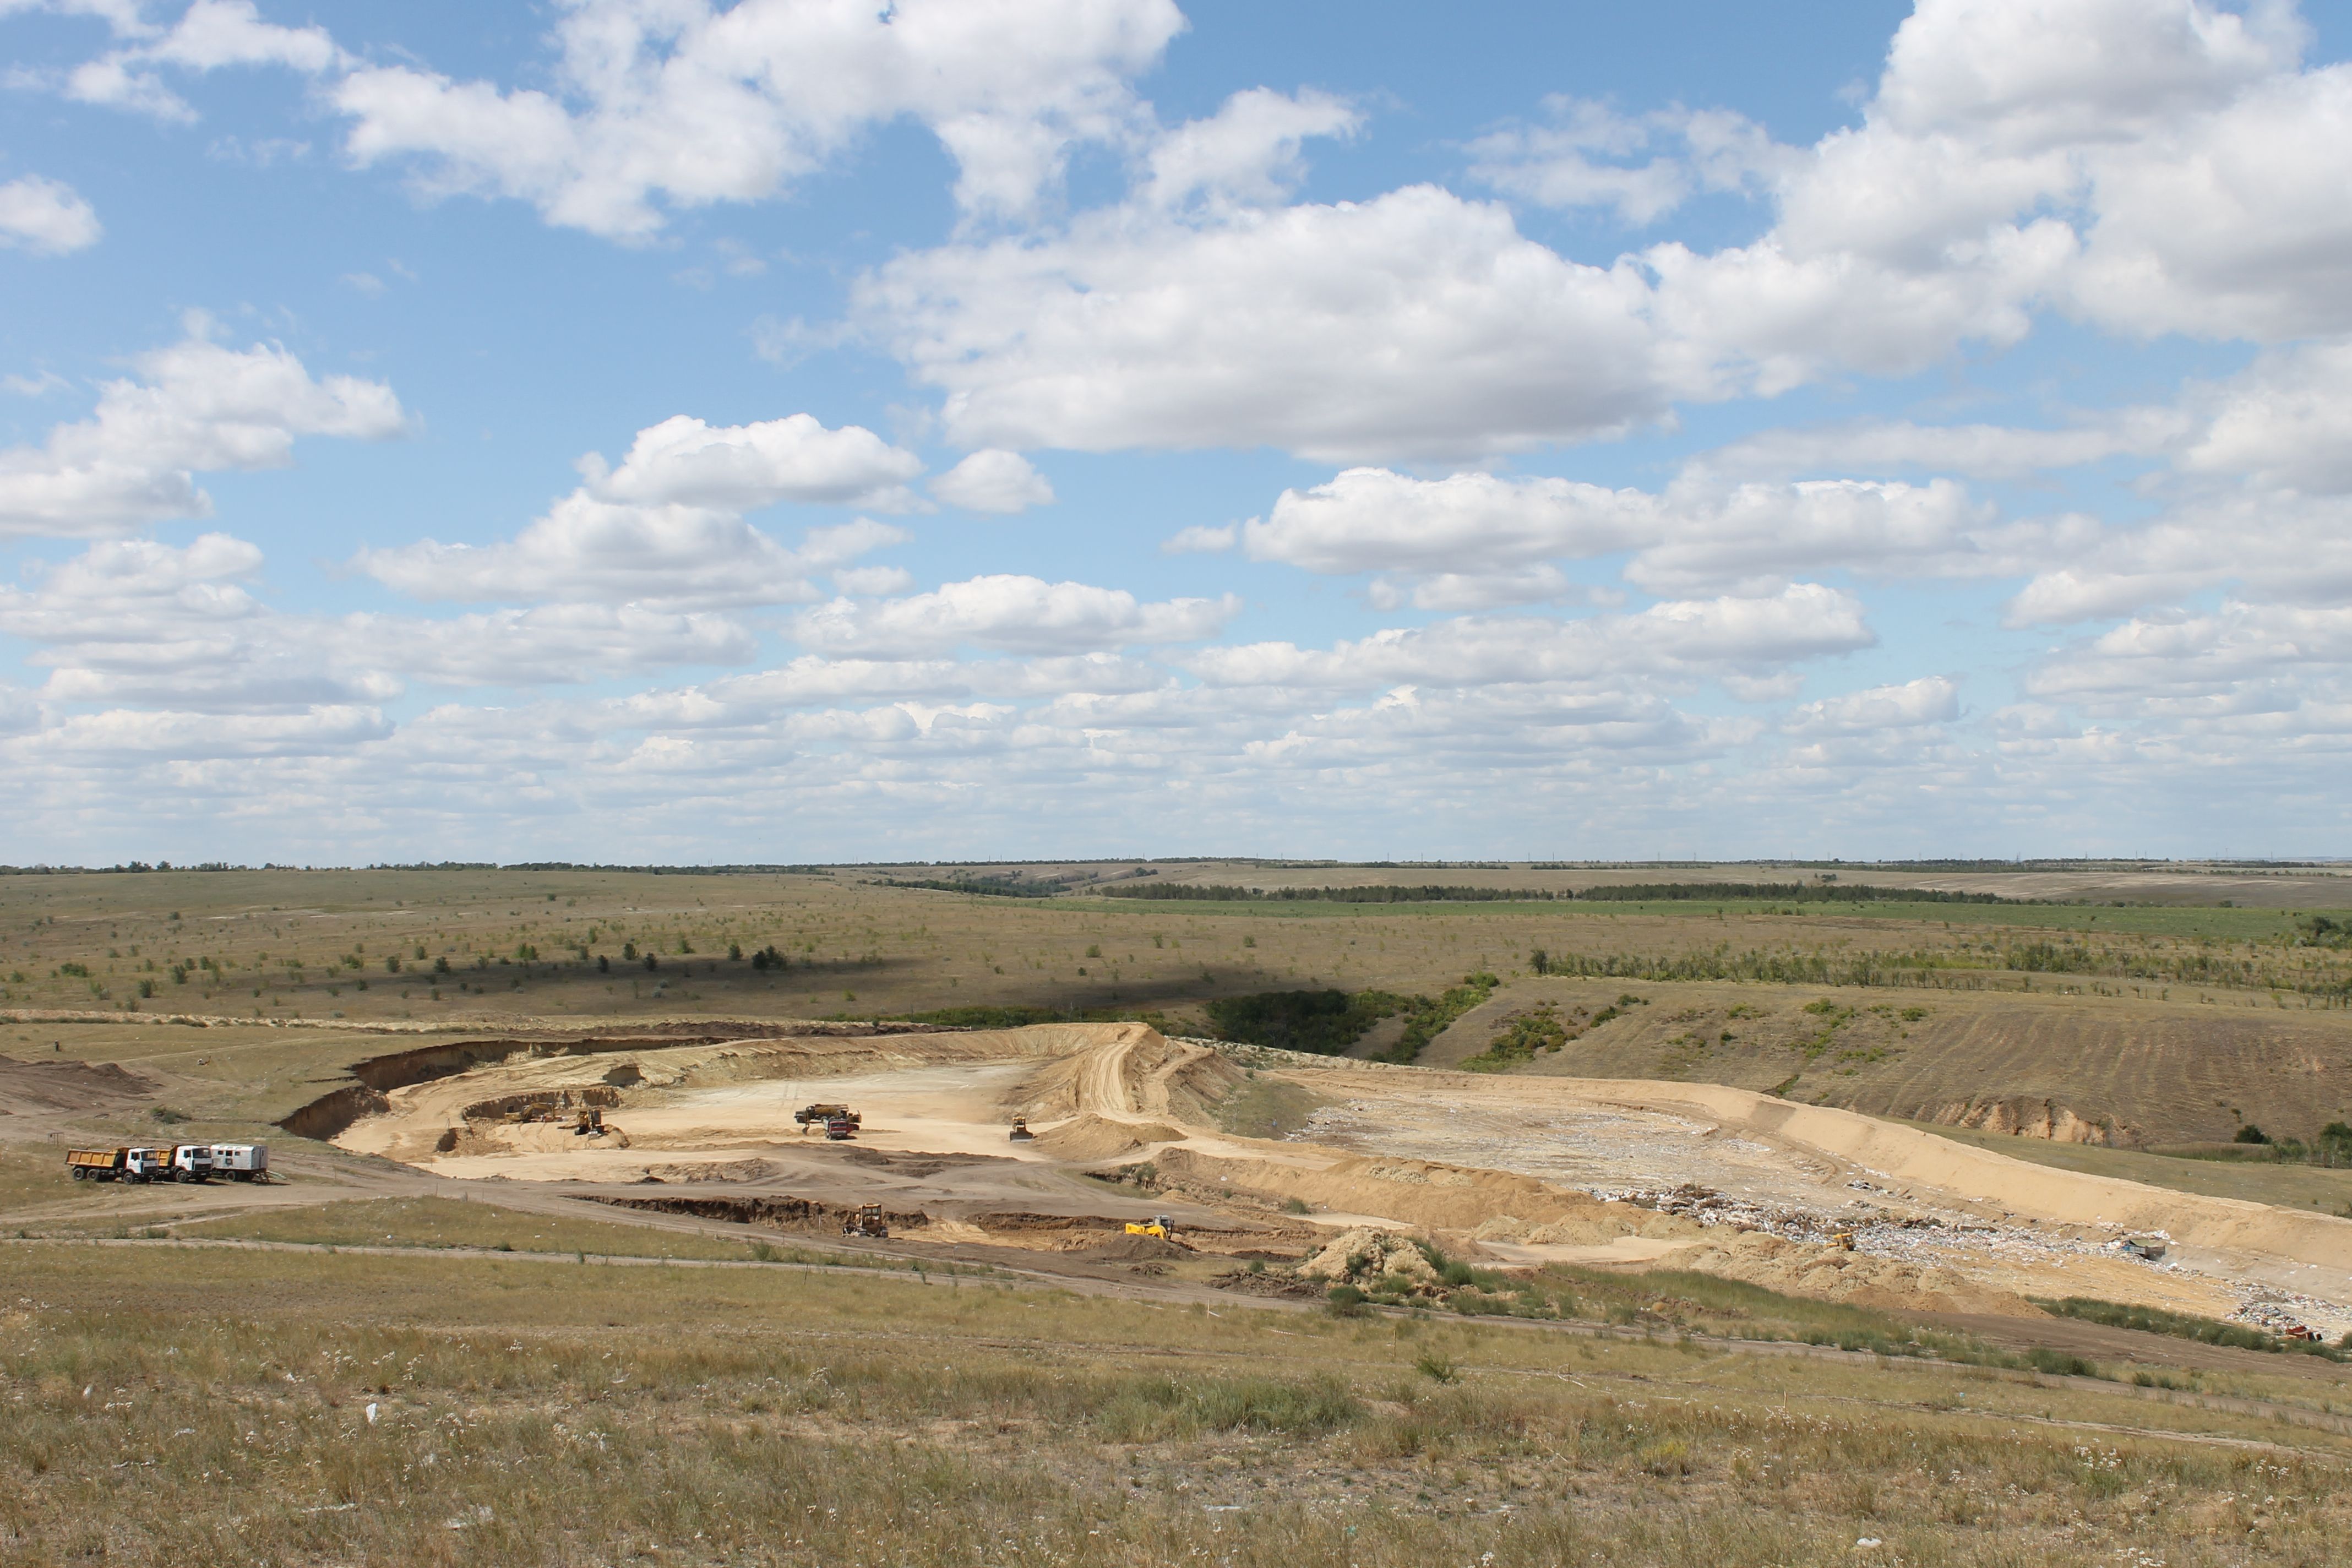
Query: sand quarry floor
[[1525, 1170]]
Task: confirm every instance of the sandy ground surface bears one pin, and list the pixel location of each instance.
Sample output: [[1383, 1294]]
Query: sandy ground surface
[[2005, 1226], [1533, 1170], [1530, 1170]]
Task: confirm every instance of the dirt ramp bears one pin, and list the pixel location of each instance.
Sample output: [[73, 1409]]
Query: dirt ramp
[[1129, 1072], [37, 1086]]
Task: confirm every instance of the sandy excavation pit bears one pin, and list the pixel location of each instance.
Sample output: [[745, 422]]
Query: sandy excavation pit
[[1524, 1169]]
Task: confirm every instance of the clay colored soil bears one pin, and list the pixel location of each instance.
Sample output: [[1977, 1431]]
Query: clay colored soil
[[1521, 1170]]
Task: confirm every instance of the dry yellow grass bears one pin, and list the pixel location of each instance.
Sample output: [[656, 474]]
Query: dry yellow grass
[[167, 1405]]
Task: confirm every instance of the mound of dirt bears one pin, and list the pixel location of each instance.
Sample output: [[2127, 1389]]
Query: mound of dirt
[[2023, 1116], [1414, 1191], [37, 1086], [1366, 1254], [1826, 1274], [1556, 1233], [1135, 1250], [714, 1171], [1088, 1137]]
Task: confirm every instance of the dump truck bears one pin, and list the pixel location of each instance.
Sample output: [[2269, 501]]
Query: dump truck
[[146, 1164], [95, 1164], [192, 1162], [867, 1221], [1161, 1227], [241, 1162], [823, 1115], [841, 1128]]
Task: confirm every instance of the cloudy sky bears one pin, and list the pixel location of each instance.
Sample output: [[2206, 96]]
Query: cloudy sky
[[653, 430]]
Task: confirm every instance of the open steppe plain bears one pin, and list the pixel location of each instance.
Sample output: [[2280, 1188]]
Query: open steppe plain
[[450, 1335]]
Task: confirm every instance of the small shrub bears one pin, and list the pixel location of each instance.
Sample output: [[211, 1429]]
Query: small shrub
[[1435, 1367], [1665, 1457], [1293, 1206]]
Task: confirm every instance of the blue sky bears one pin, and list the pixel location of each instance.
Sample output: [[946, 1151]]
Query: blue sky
[[652, 430]]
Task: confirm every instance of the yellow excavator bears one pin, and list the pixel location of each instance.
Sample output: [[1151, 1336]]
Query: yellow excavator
[[1160, 1226]]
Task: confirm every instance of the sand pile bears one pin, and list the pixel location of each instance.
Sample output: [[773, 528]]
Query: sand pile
[[1088, 1137], [713, 1171], [65, 1086], [1556, 1233], [1135, 1250], [1825, 1273], [1366, 1255]]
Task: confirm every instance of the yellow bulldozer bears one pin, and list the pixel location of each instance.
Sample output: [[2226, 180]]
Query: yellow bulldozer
[[867, 1221], [1159, 1225]]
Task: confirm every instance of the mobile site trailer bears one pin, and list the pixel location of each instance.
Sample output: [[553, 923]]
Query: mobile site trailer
[[241, 1162]]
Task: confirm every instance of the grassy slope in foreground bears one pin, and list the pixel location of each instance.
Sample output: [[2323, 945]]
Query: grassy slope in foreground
[[310, 1408]]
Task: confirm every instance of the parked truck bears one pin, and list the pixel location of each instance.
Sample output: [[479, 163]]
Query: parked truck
[[241, 1162], [95, 1164], [192, 1162], [120, 1165]]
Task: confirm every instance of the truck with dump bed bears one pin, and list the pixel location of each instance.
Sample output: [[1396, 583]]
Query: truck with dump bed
[[146, 1165], [95, 1164], [824, 1115], [841, 1127], [192, 1162], [241, 1162]]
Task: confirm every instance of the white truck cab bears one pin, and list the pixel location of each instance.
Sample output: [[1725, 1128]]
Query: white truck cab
[[192, 1162], [146, 1164]]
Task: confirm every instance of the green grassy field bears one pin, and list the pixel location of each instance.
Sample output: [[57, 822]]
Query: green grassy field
[[168, 1406]]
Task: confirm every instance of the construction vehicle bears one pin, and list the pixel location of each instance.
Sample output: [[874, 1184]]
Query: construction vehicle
[[95, 1164], [1021, 1133], [868, 1222], [1160, 1226], [145, 1165], [2148, 1247], [823, 1115], [591, 1123], [192, 1162], [241, 1162], [840, 1128], [1843, 1240]]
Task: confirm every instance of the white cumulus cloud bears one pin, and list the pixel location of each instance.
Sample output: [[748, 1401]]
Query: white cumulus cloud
[[46, 216], [194, 407], [994, 481], [683, 102], [1010, 613]]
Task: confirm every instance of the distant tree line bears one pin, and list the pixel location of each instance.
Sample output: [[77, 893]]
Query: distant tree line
[[1632, 892]]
